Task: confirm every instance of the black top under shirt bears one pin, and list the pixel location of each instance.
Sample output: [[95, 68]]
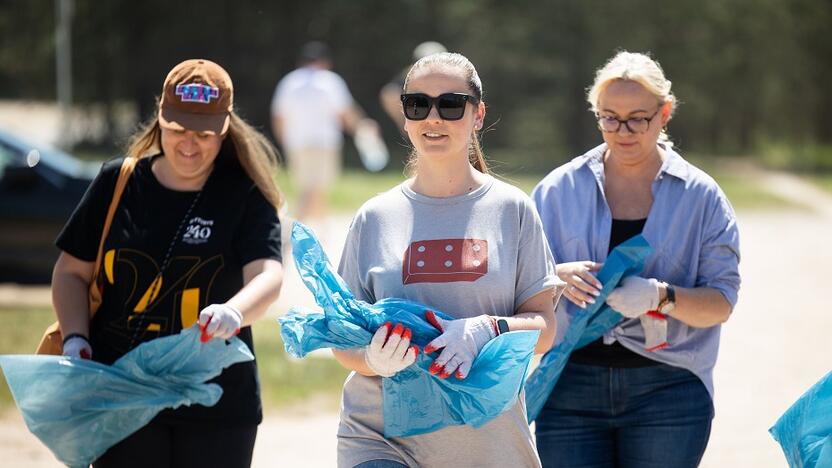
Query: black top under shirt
[[231, 225], [597, 353]]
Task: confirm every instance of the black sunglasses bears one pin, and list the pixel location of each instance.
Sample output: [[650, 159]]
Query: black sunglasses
[[451, 106]]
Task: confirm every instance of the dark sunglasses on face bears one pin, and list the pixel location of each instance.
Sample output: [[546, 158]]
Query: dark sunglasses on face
[[450, 106]]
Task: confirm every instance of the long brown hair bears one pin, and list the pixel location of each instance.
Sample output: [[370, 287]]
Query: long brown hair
[[452, 60], [257, 156]]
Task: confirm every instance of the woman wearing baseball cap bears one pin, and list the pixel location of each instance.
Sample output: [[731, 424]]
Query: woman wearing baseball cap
[[195, 239]]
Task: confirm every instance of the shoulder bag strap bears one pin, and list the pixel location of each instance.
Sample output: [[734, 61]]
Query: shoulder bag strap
[[123, 176]]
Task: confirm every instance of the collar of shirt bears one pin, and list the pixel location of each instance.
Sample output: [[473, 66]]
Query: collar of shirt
[[673, 164]]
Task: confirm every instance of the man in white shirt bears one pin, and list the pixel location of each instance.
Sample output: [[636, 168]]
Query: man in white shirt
[[311, 108]]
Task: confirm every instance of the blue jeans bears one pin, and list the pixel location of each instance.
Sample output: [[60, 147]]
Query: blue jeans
[[646, 417], [380, 464]]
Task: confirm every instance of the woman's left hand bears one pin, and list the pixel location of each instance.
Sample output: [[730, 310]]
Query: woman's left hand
[[635, 296], [462, 339], [220, 321]]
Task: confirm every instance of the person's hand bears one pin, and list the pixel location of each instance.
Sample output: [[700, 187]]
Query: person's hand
[[635, 296], [369, 125], [582, 286], [219, 321], [390, 352], [462, 339], [78, 347]]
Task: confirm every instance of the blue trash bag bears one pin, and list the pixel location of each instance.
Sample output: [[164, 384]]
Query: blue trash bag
[[80, 408], [415, 402], [587, 325], [805, 429]]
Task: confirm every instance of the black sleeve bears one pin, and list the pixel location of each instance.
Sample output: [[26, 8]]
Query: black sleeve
[[258, 235], [82, 233]]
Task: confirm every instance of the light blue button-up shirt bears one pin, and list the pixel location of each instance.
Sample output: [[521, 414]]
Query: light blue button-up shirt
[[691, 227]]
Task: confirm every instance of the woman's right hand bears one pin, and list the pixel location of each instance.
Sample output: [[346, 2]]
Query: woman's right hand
[[582, 286], [389, 351]]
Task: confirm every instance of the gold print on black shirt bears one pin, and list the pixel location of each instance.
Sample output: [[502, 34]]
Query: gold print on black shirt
[[156, 305]]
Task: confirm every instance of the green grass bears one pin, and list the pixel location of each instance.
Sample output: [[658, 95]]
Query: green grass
[[823, 181], [283, 380], [21, 335], [357, 186], [746, 194], [736, 178], [353, 188]]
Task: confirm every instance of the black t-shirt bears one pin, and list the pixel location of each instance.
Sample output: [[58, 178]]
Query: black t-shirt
[[231, 224], [597, 353]]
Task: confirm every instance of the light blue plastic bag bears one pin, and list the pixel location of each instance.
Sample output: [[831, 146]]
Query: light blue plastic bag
[[415, 402], [80, 408], [805, 429], [587, 325]]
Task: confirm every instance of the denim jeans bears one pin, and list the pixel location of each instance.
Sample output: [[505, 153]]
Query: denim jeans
[[380, 464], [646, 417]]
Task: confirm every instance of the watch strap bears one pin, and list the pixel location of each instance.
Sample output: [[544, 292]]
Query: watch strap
[[670, 299]]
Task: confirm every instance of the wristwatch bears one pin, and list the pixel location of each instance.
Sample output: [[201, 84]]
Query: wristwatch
[[502, 326], [669, 303]]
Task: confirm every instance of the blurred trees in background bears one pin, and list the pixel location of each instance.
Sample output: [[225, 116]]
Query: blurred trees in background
[[753, 76]]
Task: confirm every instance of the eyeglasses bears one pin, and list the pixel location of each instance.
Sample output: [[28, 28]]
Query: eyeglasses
[[451, 106], [609, 124]]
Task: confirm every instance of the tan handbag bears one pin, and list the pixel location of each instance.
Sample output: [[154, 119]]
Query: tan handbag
[[52, 341]]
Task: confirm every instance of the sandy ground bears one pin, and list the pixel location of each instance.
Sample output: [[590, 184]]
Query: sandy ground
[[773, 348]]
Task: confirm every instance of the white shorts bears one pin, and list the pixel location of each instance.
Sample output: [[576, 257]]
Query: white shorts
[[314, 168]]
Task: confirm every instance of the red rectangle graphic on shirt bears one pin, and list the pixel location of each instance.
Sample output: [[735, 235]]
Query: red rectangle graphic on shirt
[[445, 261]]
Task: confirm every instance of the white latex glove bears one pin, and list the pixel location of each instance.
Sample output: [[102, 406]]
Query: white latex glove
[[462, 339], [219, 321], [390, 352], [78, 347], [635, 296]]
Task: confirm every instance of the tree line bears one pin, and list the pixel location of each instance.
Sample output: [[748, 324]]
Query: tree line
[[750, 75]]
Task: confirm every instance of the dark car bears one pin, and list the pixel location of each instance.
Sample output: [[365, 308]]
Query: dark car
[[39, 188]]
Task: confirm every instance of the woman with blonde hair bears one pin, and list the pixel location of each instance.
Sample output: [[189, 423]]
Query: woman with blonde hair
[[636, 397], [195, 239], [457, 239]]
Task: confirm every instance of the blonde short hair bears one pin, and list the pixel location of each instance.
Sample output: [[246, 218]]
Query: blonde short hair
[[632, 67]]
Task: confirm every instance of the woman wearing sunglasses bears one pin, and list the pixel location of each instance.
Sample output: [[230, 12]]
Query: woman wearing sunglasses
[[640, 396], [453, 237]]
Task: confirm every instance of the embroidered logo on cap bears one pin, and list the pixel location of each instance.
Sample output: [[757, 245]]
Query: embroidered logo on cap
[[197, 92]]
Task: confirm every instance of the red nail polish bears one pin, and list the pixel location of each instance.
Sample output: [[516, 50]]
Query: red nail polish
[[429, 349], [434, 368], [408, 333], [415, 349], [399, 329], [387, 326], [431, 318], [458, 375], [444, 375]]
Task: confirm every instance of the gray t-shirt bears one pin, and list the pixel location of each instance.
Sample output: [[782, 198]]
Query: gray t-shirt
[[483, 252]]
